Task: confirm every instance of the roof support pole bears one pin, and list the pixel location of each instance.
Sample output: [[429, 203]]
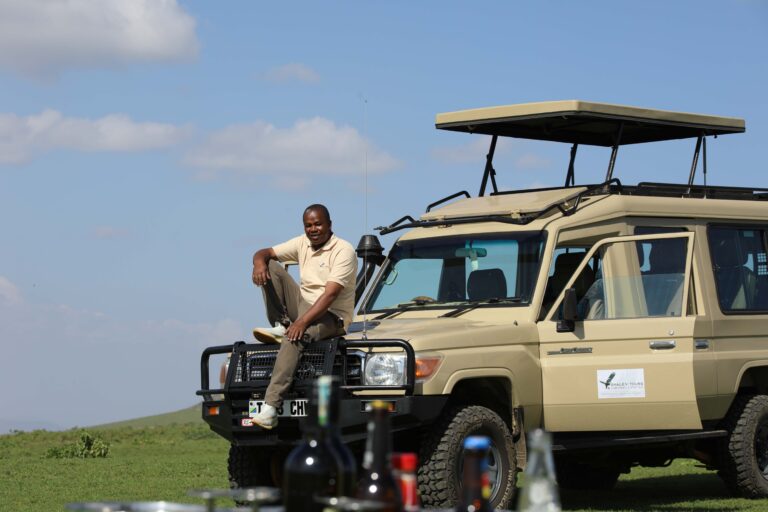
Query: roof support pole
[[695, 162], [569, 178], [705, 165], [489, 170], [614, 152]]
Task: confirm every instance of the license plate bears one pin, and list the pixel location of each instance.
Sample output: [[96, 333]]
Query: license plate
[[289, 409]]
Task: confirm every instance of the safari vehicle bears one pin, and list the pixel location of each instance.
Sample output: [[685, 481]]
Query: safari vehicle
[[630, 321]]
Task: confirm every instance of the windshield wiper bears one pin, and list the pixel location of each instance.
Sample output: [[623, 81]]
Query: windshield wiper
[[464, 308], [408, 306]]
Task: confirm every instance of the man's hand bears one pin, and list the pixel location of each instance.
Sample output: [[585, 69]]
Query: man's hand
[[296, 330], [261, 266]]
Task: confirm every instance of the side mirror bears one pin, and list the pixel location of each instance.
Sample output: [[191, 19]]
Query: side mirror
[[567, 322]]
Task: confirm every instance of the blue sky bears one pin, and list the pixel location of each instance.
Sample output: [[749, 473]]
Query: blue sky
[[148, 147]]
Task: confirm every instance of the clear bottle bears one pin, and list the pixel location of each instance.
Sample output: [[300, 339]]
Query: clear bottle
[[539, 493], [313, 469], [377, 482], [348, 462], [404, 469], [475, 483]]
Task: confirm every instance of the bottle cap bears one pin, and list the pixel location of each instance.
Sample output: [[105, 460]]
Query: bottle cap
[[405, 461], [477, 443]]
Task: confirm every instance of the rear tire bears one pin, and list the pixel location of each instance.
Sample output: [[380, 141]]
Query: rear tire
[[579, 476], [441, 455], [744, 454]]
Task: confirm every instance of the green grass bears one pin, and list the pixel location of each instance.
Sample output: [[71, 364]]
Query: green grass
[[163, 462]]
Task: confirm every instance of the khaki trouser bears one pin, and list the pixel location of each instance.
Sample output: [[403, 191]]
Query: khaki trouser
[[291, 305]]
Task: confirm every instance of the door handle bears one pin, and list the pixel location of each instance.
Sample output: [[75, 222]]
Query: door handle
[[574, 350], [662, 344], [701, 344]]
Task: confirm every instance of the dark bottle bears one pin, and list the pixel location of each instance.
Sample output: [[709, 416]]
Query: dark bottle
[[313, 469], [377, 482], [348, 462], [475, 484]]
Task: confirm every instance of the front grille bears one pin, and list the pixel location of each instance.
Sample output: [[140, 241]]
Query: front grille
[[255, 364]]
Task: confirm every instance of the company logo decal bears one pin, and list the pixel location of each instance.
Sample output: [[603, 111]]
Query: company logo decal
[[626, 383]]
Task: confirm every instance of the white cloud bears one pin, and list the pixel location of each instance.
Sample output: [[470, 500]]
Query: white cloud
[[470, 152], [41, 38], [21, 138], [294, 72], [9, 292], [310, 146]]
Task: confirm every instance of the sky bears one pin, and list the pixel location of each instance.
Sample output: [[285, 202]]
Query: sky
[[149, 147]]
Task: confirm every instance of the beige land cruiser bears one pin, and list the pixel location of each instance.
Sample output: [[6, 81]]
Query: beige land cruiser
[[630, 321]]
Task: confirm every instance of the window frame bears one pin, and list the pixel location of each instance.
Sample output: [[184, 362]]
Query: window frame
[[763, 228], [689, 235]]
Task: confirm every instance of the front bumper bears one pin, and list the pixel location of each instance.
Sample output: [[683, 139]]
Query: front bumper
[[250, 370], [408, 413]]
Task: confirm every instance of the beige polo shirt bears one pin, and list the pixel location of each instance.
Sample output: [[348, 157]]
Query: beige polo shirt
[[335, 261]]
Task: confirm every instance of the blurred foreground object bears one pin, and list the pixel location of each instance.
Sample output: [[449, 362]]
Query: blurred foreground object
[[540, 492]]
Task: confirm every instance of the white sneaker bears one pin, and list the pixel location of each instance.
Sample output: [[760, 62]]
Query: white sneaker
[[267, 418], [271, 335]]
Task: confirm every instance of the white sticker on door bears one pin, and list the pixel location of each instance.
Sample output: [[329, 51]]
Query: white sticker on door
[[626, 383]]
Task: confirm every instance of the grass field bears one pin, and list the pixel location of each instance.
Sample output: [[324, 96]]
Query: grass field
[[163, 462]]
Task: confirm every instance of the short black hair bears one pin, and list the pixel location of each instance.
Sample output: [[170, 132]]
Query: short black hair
[[318, 208]]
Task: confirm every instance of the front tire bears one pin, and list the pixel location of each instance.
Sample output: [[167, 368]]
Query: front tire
[[249, 466], [441, 456], [744, 454]]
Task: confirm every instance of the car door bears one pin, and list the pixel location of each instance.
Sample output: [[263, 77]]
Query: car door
[[628, 364]]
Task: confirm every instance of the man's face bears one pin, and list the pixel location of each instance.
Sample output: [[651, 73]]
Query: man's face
[[317, 228]]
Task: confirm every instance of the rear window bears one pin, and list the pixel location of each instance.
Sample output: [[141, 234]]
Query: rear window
[[740, 268]]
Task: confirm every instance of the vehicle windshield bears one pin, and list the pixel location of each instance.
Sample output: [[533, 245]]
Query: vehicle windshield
[[452, 271]]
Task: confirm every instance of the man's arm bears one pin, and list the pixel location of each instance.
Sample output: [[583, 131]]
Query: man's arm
[[261, 265], [318, 309]]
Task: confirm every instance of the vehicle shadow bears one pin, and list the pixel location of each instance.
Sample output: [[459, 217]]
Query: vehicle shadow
[[697, 492]]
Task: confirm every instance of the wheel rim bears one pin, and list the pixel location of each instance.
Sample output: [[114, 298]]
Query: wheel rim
[[495, 468], [761, 446]]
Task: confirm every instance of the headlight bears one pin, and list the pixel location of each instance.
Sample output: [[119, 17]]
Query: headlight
[[385, 370]]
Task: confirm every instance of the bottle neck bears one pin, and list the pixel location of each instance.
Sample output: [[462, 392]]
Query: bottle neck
[[378, 445]]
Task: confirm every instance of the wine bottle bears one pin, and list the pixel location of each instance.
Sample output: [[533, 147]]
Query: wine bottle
[[377, 482], [539, 493], [313, 469], [333, 434], [475, 483]]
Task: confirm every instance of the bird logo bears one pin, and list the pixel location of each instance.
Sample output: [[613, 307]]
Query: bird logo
[[607, 382]]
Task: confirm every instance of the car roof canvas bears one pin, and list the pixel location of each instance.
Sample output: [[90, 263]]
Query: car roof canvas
[[582, 122]]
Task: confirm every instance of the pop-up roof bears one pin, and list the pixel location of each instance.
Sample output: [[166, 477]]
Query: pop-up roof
[[583, 122]]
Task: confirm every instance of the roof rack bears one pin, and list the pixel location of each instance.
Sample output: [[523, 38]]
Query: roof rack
[[569, 204], [580, 122]]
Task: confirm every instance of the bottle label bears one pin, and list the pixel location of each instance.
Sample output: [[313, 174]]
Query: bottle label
[[323, 400]]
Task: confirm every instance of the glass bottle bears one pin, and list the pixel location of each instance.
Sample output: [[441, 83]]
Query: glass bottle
[[539, 493], [404, 469], [377, 482], [475, 483], [313, 469], [348, 462]]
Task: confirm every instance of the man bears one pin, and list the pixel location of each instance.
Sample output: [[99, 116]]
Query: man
[[321, 307]]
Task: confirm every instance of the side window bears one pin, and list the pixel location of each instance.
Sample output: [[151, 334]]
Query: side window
[[565, 260], [740, 268], [621, 288]]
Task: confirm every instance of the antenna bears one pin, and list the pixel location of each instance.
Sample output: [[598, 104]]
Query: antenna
[[365, 207]]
